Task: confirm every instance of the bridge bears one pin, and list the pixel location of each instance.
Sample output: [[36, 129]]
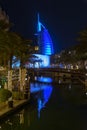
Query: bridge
[[57, 73]]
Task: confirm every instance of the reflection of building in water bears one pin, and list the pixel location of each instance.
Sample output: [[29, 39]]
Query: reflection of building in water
[[43, 98], [26, 118], [43, 94], [21, 115]]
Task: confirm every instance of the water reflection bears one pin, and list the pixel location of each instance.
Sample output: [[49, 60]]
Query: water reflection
[[43, 94], [44, 79], [17, 121], [64, 111], [24, 118]]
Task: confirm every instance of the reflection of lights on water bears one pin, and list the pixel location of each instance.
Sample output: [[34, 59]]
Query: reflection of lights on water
[[36, 87], [43, 95], [0, 127], [43, 98], [44, 79]]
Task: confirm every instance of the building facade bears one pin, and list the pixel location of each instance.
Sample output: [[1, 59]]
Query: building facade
[[45, 45]]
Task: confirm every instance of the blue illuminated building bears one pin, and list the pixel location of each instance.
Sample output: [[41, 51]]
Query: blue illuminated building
[[45, 44], [44, 40]]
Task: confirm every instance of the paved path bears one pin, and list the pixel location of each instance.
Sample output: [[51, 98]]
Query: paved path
[[5, 109]]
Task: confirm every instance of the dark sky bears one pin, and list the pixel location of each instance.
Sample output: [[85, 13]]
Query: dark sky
[[63, 18]]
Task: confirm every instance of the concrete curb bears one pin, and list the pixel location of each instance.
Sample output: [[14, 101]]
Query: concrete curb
[[8, 111]]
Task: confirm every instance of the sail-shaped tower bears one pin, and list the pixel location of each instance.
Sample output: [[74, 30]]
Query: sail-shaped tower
[[44, 40], [44, 43]]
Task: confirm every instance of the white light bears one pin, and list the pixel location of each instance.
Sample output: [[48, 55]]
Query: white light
[[65, 66], [70, 86], [77, 67], [59, 81], [86, 67], [86, 74], [35, 78], [25, 78], [71, 66]]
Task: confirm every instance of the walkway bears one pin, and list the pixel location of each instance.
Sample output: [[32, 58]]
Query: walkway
[[6, 110]]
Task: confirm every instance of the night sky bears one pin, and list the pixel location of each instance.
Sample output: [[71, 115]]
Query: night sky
[[63, 18]]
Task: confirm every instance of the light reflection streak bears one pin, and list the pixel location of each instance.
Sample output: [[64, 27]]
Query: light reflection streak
[[44, 92]]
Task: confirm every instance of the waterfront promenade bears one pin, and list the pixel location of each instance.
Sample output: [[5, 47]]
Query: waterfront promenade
[[6, 110]]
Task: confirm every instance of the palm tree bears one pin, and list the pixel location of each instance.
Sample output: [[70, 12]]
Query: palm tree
[[5, 25], [4, 42], [25, 51], [12, 44], [81, 48]]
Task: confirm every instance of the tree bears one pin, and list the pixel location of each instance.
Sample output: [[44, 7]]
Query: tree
[[25, 51], [12, 44], [81, 47], [4, 94], [68, 56]]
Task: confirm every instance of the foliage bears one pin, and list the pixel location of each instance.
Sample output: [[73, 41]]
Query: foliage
[[17, 95], [68, 56], [12, 44], [4, 94], [81, 48], [25, 51], [5, 25]]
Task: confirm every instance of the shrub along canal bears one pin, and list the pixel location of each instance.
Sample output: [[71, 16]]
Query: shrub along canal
[[56, 106]]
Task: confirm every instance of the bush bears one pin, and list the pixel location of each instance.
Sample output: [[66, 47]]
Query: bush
[[4, 94], [17, 95]]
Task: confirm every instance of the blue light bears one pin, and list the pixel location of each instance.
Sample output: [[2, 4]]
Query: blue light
[[44, 93], [44, 40], [45, 60], [45, 79], [43, 99], [15, 64], [39, 25]]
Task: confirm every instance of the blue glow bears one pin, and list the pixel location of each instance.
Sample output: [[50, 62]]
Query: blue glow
[[44, 79], [39, 25], [16, 63], [44, 93], [45, 60], [44, 40], [43, 99]]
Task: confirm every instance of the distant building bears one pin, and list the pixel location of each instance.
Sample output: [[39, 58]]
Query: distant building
[[44, 40], [45, 45]]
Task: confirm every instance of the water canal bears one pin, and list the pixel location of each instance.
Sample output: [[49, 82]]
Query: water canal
[[56, 107]]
